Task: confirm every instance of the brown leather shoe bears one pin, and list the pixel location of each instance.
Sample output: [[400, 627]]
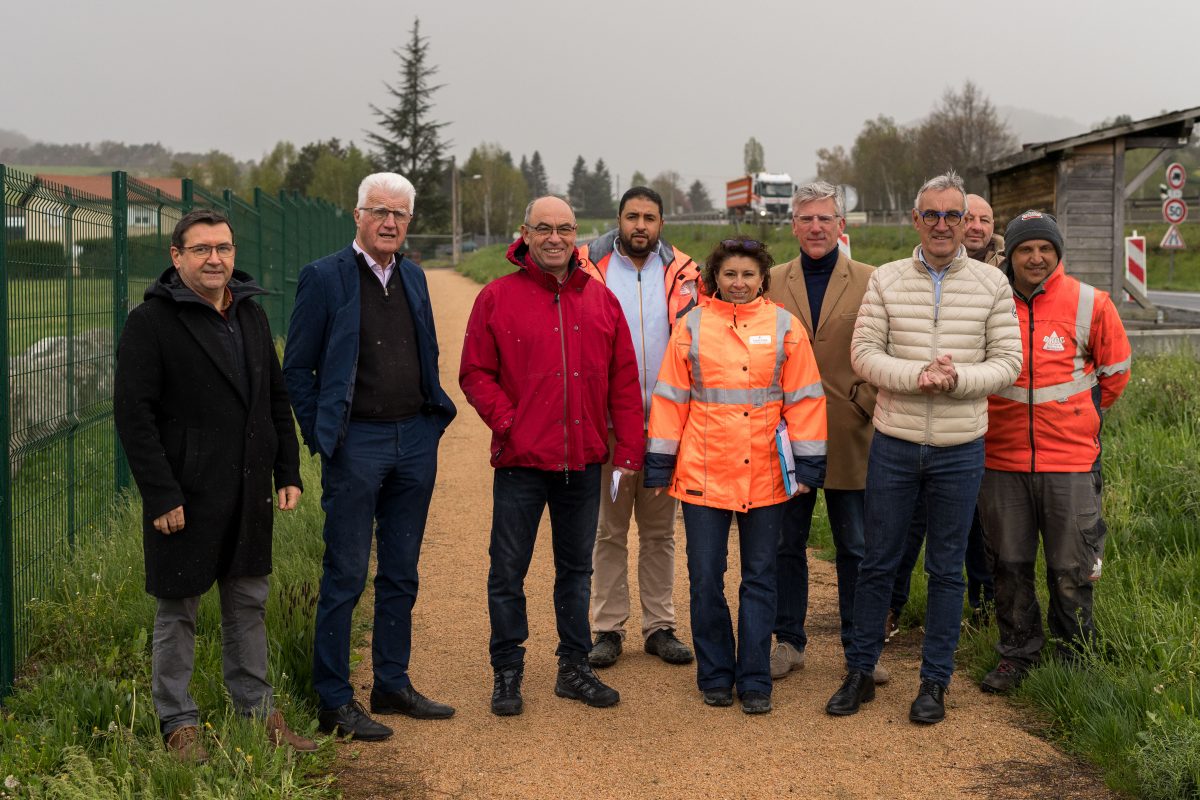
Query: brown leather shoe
[[184, 743], [279, 733]]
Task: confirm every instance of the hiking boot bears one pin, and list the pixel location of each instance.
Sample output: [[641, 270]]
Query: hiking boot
[[578, 682], [785, 658], [892, 626], [858, 688], [605, 650], [184, 744], [664, 644], [930, 705], [279, 733], [1004, 678], [756, 703], [718, 697], [506, 691]]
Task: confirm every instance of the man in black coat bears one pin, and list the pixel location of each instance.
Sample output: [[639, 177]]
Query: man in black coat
[[203, 414]]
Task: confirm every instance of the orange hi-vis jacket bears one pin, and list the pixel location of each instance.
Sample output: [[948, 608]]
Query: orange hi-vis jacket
[[1076, 363], [681, 279], [730, 373]]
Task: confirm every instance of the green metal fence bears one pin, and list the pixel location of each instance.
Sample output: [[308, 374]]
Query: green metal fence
[[71, 267]]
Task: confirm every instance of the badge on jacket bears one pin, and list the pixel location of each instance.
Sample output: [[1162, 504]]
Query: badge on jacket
[[1053, 342]]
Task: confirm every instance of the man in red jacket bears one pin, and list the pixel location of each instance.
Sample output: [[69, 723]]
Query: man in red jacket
[[1042, 463], [547, 360]]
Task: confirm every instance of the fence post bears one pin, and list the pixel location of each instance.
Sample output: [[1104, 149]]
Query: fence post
[[187, 194], [120, 301], [72, 420], [8, 617]]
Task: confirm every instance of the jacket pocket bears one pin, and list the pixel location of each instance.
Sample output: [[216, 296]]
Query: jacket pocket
[[862, 398], [1093, 531]]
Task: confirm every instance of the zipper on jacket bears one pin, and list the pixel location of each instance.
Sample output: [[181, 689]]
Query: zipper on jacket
[[1032, 442], [937, 306], [642, 328], [562, 340]]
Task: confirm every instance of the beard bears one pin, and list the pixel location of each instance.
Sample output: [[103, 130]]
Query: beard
[[637, 252]]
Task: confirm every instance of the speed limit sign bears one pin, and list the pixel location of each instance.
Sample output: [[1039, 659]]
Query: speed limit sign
[[1176, 176], [1175, 210]]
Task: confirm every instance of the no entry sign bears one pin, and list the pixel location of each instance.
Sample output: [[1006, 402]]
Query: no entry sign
[[1176, 176]]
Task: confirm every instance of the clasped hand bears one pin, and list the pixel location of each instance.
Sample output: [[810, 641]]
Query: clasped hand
[[938, 376]]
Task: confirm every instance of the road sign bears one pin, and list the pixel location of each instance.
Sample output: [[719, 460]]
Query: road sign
[[1175, 210], [1135, 261], [1176, 175], [1172, 241]]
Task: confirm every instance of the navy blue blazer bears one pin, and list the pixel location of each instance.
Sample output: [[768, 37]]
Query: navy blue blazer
[[321, 355]]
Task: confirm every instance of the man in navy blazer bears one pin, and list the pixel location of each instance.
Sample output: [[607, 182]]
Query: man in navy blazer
[[361, 365]]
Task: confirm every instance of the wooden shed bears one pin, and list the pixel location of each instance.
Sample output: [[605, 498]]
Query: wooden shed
[[1081, 180]]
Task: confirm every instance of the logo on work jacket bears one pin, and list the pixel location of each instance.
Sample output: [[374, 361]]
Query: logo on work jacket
[[1053, 342]]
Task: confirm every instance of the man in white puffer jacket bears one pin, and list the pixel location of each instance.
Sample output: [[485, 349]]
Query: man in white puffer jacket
[[937, 333]]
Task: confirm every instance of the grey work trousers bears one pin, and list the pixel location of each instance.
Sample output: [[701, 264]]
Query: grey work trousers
[[1065, 508], [243, 652]]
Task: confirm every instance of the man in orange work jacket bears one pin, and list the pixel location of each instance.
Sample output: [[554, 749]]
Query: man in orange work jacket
[[655, 284], [1042, 467]]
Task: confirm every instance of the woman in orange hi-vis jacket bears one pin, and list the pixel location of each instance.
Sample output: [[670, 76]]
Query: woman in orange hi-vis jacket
[[734, 369]]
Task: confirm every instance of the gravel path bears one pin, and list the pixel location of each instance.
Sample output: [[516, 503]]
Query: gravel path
[[661, 741]]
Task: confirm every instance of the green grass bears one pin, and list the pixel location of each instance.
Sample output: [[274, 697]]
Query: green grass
[[81, 722]]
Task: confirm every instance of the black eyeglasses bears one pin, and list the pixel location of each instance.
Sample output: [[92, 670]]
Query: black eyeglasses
[[930, 218], [750, 245], [204, 250]]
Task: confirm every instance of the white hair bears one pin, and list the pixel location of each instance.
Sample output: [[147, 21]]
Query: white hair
[[820, 190], [949, 180], [388, 182]]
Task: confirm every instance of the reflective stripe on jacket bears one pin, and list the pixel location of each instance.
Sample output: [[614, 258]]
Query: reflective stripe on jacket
[[729, 374], [1076, 363], [682, 275]]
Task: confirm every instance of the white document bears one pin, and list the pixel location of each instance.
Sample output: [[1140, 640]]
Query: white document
[[616, 481]]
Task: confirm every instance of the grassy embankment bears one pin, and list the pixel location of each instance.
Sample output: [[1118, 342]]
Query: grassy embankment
[[1132, 707], [81, 722]]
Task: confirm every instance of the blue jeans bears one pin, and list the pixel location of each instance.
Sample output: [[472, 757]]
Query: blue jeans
[[519, 495], [846, 509], [981, 588], [378, 483], [899, 475], [717, 666]]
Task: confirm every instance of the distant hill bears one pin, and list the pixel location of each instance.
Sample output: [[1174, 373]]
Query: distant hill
[[1033, 126], [13, 139]]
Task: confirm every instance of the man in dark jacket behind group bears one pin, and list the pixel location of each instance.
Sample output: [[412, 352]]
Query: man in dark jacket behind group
[[202, 412], [547, 360]]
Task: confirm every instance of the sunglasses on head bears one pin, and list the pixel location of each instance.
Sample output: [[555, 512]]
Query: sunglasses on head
[[751, 245]]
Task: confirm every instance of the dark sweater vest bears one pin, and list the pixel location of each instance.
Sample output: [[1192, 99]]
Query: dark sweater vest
[[387, 382]]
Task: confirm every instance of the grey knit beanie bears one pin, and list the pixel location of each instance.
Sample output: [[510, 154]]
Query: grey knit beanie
[[1033, 225]]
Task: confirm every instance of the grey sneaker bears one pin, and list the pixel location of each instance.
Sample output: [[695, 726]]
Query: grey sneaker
[[785, 658], [881, 674], [605, 650]]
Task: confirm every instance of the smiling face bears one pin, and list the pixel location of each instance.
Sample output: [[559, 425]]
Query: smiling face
[[205, 275], [550, 235], [978, 225], [816, 237], [940, 242], [639, 225], [1032, 261], [381, 239], [739, 280]]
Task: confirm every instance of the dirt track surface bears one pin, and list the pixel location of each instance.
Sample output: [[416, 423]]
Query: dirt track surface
[[661, 741]]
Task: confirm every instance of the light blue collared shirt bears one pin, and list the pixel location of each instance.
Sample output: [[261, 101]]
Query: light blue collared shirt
[[937, 275], [644, 303]]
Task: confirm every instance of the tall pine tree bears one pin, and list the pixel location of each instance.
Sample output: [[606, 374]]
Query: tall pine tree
[[577, 189], [410, 142], [600, 198], [539, 184]]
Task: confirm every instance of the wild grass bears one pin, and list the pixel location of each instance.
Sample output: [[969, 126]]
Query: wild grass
[[81, 720]]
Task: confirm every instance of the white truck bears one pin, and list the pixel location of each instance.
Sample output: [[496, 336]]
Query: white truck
[[759, 195]]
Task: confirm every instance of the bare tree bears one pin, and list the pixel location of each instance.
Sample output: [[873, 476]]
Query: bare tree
[[965, 133], [753, 157]]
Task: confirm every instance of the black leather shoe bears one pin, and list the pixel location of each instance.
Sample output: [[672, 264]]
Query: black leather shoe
[[718, 697], [578, 682], [410, 702], [858, 688], [352, 720], [664, 644], [756, 703], [605, 650], [506, 691], [930, 705]]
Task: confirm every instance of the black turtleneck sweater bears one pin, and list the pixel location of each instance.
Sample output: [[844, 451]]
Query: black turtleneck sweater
[[817, 273]]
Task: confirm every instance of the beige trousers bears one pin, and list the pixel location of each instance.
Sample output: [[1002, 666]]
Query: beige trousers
[[655, 517]]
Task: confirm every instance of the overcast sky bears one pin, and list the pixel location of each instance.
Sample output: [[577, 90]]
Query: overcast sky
[[646, 85]]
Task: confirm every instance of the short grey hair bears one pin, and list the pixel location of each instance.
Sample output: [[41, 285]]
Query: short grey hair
[[529, 208], [388, 182], [948, 180], [820, 190]]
